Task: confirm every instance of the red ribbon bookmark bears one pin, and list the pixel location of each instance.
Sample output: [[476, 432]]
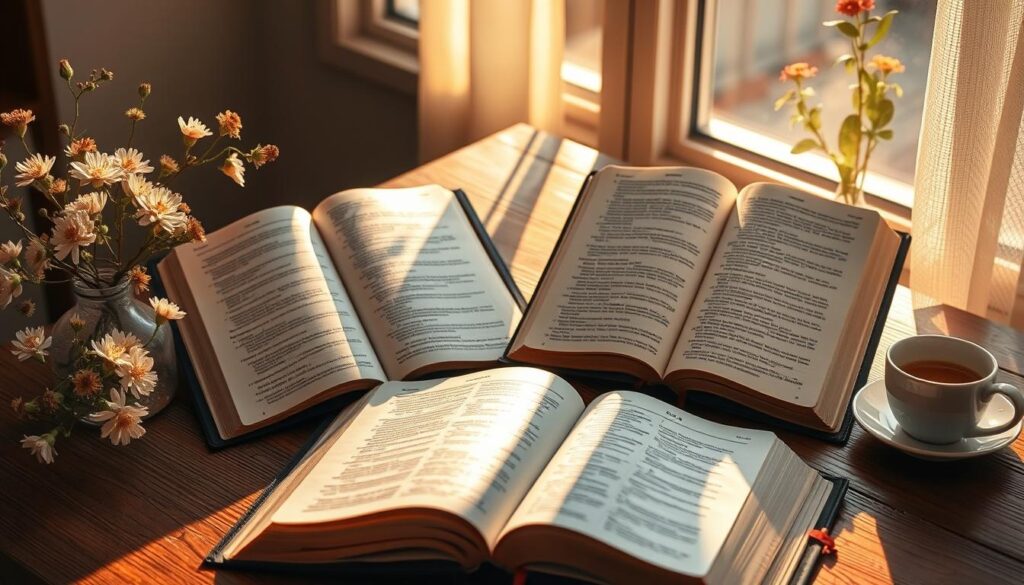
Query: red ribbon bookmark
[[519, 577], [821, 536]]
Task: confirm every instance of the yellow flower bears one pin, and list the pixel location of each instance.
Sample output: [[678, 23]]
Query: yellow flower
[[71, 231], [91, 203], [234, 169], [130, 161], [797, 71], [230, 124], [135, 114], [9, 251], [887, 64], [192, 130], [196, 232], [121, 422], [31, 342], [42, 447]]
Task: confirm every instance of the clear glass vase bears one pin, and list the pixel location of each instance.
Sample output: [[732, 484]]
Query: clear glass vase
[[115, 307]]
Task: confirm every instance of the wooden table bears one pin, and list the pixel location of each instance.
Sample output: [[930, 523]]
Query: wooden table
[[150, 511]]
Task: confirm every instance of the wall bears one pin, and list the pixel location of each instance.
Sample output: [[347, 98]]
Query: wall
[[257, 57]]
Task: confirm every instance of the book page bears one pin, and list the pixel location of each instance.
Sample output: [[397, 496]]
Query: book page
[[649, 479], [778, 292], [629, 267], [281, 324], [470, 445], [419, 275]]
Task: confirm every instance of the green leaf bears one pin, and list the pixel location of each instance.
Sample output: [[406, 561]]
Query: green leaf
[[844, 59], [815, 119], [897, 89], [849, 137], [807, 92], [883, 28], [804, 145], [848, 29], [886, 109], [783, 100], [832, 22], [884, 134], [795, 119]]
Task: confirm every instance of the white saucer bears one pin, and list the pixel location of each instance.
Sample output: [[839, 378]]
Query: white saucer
[[871, 409]]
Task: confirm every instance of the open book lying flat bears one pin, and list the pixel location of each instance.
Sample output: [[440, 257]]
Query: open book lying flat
[[771, 298], [288, 309], [509, 467]]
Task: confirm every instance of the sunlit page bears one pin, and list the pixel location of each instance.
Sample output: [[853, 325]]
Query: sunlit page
[[470, 445], [282, 327], [647, 478], [778, 292], [626, 277], [423, 283]]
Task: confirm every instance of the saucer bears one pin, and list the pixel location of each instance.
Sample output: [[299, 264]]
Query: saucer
[[871, 409]]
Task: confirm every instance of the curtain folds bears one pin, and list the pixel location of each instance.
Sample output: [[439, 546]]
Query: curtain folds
[[968, 216], [485, 65]]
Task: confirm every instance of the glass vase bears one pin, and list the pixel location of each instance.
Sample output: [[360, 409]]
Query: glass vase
[[116, 307], [849, 194]]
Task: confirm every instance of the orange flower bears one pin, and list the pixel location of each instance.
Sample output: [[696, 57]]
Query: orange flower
[[82, 145], [230, 124], [18, 119], [854, 7], [86, 383], [139, 278], [797, 71], [887, 64], [262, 155]]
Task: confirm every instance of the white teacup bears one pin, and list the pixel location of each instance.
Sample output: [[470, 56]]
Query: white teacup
[[945, 411]]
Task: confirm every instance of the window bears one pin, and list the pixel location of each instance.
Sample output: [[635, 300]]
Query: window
[[744, 45], [581, 69], [374, 38]]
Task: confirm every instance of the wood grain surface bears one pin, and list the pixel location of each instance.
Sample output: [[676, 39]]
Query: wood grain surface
[[150, 512]]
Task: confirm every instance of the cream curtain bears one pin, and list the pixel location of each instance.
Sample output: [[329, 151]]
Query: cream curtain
[[485, 65], [968, 217]]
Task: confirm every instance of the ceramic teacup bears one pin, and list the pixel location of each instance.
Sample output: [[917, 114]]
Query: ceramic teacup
[[945, 411]]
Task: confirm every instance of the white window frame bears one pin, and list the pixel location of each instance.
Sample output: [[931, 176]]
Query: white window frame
[[649, 90], [354, 35]]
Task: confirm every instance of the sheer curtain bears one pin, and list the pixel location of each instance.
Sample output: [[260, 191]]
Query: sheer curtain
[[485, 65], [968, 217]]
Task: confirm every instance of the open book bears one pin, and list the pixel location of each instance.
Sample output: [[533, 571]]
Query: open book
[[766, 297], [287, 309], [507, 466]]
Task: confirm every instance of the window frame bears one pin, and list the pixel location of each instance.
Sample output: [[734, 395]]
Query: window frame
[[356, 35], [659, 124]]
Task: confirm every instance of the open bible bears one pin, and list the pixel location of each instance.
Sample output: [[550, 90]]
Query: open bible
[[769, 297], [288, 309], [509, 467]]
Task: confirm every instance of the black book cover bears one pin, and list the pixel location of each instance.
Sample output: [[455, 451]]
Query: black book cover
[[612, 380], [189, 378]]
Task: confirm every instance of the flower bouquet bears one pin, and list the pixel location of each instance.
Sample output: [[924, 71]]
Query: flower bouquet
[[873, 110], [113, 358]]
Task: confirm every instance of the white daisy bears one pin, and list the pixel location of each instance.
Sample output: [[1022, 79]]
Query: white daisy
[[91, 203], [71, 231], [97, 169], [42, 447], [165, 310], [9, 251], [234, 169], [10, 286], [130, 161], [112, 346], [160, 206], [136, 371], [121, 422], [32, 168], [31, 342], [136, 185], [36, 258], [192, 130]]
